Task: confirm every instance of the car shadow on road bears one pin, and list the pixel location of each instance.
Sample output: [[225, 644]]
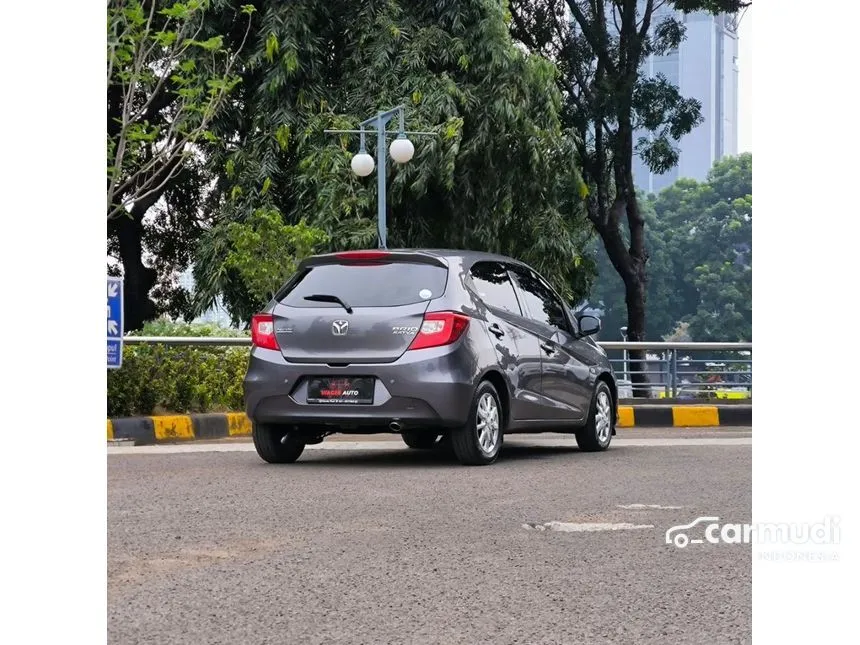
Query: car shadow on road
[[439, 458]]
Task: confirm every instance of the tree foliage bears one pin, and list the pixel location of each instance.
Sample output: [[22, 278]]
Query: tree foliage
[[714, 223], [499, 175], [700, 281]]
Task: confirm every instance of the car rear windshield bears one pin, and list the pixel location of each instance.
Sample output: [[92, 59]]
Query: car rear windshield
[[369, 285]]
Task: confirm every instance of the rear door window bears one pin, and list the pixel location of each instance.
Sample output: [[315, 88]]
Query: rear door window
[[493, 284], [541, 303], [369, 285]]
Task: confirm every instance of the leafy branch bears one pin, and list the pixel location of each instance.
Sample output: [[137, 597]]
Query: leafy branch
[[168, 83], [265, 250]]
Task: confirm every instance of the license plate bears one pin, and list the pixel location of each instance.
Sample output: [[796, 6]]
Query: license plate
[[341, 390]]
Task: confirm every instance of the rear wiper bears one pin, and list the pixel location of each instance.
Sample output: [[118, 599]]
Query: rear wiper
[[325, 297]]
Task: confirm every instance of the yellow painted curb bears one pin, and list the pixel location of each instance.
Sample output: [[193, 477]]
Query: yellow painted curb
[[625, 416], [239, 424], [174, 427], [699, 415], [109, 430]]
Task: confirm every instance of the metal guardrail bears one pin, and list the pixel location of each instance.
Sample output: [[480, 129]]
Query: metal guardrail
[[662, 346], [190, 341], [674, 371], [670, 368]]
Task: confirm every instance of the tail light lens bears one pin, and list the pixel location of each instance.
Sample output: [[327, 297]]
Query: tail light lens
[[439, 329], [263, 331]]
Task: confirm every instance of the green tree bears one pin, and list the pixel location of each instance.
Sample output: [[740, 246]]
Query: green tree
[[168, 75], [500, 175], [600, 47], [665, 306], [265, 251], [709, 226], [700, 277]]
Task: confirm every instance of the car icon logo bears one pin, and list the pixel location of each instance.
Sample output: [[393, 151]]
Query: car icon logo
[[678, 536], [340, 327]]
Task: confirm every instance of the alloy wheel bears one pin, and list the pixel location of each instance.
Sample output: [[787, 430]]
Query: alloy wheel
[[487, 423], [603, 417]]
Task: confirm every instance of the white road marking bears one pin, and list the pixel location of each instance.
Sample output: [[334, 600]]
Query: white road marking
[[647, 506], [247, 446], [699, 441], [586, 527]]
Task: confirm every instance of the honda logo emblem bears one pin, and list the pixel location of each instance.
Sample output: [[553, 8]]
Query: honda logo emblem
[[340, 327]]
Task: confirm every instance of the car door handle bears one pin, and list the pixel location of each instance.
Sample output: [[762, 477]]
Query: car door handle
[[496, 330], [549, 349]]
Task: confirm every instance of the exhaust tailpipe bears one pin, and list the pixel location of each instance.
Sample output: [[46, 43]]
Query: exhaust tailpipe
[[395, 426]]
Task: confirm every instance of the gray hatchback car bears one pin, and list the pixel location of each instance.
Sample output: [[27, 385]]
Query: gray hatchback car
[[438, 346]]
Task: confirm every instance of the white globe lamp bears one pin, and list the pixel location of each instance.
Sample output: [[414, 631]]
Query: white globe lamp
[[401, 149], [362, 164]]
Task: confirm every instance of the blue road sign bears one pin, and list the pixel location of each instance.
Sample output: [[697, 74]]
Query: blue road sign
[[114, 323]]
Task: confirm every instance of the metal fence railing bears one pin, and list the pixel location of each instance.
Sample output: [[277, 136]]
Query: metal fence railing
[[686, 370], [672, 370]]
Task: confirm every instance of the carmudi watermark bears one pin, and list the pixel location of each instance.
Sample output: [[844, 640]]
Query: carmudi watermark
[[710, 530]]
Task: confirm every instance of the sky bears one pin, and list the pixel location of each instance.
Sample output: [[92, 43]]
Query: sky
[[745, 82]]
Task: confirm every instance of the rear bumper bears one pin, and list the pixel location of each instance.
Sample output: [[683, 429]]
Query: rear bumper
[[425, 388]]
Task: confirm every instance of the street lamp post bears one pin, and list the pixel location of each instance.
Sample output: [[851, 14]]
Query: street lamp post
[[624, 338], [401, 152]]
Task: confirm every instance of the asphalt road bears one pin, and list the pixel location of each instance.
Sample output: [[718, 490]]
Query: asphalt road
[[374, 543]]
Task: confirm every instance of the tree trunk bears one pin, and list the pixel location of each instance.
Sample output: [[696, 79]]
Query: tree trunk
[[635, 275], [635, 279], [138, 278]]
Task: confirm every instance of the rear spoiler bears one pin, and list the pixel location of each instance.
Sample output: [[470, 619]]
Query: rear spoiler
[[376, 256]]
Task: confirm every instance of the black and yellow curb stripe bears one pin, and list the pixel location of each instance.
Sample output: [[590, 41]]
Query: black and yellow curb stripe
[[180, 427], [683, 416], [191, 427]]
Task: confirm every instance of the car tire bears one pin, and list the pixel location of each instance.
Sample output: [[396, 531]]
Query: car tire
[[420, 440], [596, 435], [267, 441], [479, 441]]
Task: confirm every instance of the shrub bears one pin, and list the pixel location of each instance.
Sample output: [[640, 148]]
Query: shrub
[[157, 379]]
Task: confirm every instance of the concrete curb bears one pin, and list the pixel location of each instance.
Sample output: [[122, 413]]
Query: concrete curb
[[684, 416], [202, 427], [180, 427]]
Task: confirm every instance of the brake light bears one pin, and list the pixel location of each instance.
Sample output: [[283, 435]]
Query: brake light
[[360, 256], [439, 329], [263, 331]]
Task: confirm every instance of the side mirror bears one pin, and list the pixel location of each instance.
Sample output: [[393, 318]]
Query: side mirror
[[588, 325]]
